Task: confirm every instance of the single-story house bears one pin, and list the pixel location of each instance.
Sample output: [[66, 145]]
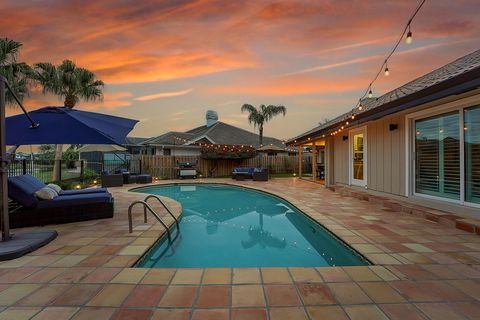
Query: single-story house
[[419, 142], [214, 132]]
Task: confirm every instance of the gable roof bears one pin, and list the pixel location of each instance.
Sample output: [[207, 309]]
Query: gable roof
[[455, 77], [218, 133], [169, 138], [134, 141]]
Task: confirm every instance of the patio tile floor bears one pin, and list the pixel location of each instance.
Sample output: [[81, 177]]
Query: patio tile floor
[[423, 270]]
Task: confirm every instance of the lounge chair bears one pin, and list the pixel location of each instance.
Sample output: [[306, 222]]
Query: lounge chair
[[68, 206]]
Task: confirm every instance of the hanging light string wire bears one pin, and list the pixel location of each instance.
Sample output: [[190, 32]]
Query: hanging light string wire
[[384, 64]]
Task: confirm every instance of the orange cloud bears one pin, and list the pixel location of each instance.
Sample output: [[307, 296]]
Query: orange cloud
[[164, 95]]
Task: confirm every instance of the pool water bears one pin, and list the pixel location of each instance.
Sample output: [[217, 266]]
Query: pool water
[[228, 226]]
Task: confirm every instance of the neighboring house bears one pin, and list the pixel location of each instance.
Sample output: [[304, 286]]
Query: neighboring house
[[133, 145], [420, 142], [213, 132]]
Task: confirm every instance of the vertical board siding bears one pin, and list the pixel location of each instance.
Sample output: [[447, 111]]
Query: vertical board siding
[[341, 160], [385, 156], [387, 160]]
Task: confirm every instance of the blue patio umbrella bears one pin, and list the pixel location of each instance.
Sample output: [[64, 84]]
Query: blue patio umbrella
[[61, 125]]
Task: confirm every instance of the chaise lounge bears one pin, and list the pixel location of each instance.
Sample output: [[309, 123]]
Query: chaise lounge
[[68, 206]]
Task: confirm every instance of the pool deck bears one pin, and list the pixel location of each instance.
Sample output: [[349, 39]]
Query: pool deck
[[423, 270]]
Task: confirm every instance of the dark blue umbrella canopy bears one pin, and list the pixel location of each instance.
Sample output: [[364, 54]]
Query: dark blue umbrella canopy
[[61, 125]]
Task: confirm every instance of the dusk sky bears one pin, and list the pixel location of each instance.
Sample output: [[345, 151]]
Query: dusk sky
[[167, 62]]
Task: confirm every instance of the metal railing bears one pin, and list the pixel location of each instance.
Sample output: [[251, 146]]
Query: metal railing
[[165, 206], [146, 207]]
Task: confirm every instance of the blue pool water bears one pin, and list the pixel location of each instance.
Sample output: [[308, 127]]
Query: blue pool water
[[227, 226]]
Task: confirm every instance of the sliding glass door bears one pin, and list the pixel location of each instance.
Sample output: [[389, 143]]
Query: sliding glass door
[[447, 155], [472, 154], [437, 152]]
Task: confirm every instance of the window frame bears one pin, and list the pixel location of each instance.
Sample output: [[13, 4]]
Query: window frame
[[459, 106]]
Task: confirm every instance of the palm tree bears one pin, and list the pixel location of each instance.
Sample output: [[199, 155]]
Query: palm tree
[[70, 83], [258, 116], [17, 74]]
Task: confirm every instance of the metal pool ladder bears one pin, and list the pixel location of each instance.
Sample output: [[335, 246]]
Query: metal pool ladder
[[146, 207]]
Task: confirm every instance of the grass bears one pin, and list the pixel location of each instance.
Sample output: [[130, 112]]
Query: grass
[[281, 175]]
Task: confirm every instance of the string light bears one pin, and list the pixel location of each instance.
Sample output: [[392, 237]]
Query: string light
[[409, 37]]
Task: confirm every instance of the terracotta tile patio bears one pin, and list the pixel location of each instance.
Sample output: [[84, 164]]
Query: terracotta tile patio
[[422, 270]]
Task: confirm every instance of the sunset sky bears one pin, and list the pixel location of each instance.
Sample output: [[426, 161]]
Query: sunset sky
[[167, 62]]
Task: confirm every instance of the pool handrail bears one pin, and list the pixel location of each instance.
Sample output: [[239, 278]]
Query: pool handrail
[[165, 206], [145, 207]]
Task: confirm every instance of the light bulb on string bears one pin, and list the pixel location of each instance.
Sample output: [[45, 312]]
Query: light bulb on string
[[386, 72], [370, 94], [409, 37]]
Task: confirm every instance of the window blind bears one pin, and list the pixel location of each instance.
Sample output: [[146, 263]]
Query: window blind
[[437, 156]]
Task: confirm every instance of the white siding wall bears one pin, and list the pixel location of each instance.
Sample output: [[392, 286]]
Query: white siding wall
[[385, 156]]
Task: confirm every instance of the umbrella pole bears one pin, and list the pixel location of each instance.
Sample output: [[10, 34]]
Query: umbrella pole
[[4, 218]]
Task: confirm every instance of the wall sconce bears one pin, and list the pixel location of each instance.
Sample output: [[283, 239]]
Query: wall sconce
[[345, 138], [393, 126]]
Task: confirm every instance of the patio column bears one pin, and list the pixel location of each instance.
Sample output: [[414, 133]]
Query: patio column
[[300, 159], [4, 221], [314, 161]]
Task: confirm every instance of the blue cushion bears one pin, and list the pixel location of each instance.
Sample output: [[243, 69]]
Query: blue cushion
[[243, 170], [22, 189], [82, 191], [75, 200]]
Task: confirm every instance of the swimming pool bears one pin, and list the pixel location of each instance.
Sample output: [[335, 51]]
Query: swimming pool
[[229, 226]]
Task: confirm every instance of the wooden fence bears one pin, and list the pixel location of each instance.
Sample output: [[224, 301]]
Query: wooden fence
[[165, 166]]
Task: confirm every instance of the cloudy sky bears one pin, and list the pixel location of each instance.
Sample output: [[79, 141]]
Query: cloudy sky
[[167, 62]]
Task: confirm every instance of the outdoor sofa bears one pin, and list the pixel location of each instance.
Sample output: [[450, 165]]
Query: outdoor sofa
[[256, 174], [68, 206]]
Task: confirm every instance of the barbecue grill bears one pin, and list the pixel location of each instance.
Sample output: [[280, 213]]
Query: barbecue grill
[[186, 170]]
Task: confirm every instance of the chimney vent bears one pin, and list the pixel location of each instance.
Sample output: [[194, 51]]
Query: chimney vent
[[212, 117]]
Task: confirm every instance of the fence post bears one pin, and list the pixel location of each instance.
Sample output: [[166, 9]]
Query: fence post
[[140, 165], [59, 170], [81, 170], [24, 166]]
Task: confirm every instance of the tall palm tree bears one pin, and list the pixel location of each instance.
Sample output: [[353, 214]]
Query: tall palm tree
[[17, 74], [70, 83], [259, 116]]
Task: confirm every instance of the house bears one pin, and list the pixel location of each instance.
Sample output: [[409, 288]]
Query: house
[[419, 143], [133, 145], [214, 132]]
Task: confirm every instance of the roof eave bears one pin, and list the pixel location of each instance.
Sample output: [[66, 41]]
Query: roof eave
[[460, 84]]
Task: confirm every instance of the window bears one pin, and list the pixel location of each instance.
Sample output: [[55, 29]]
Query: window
[[358, 156], [472, 154], [167, 152], [437, 156]]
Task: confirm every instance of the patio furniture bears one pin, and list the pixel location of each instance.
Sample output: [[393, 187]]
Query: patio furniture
[[240, 177], [260, 174], [129, 178], [144, 178], [68, 206], [112, 180], [245, 172]]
